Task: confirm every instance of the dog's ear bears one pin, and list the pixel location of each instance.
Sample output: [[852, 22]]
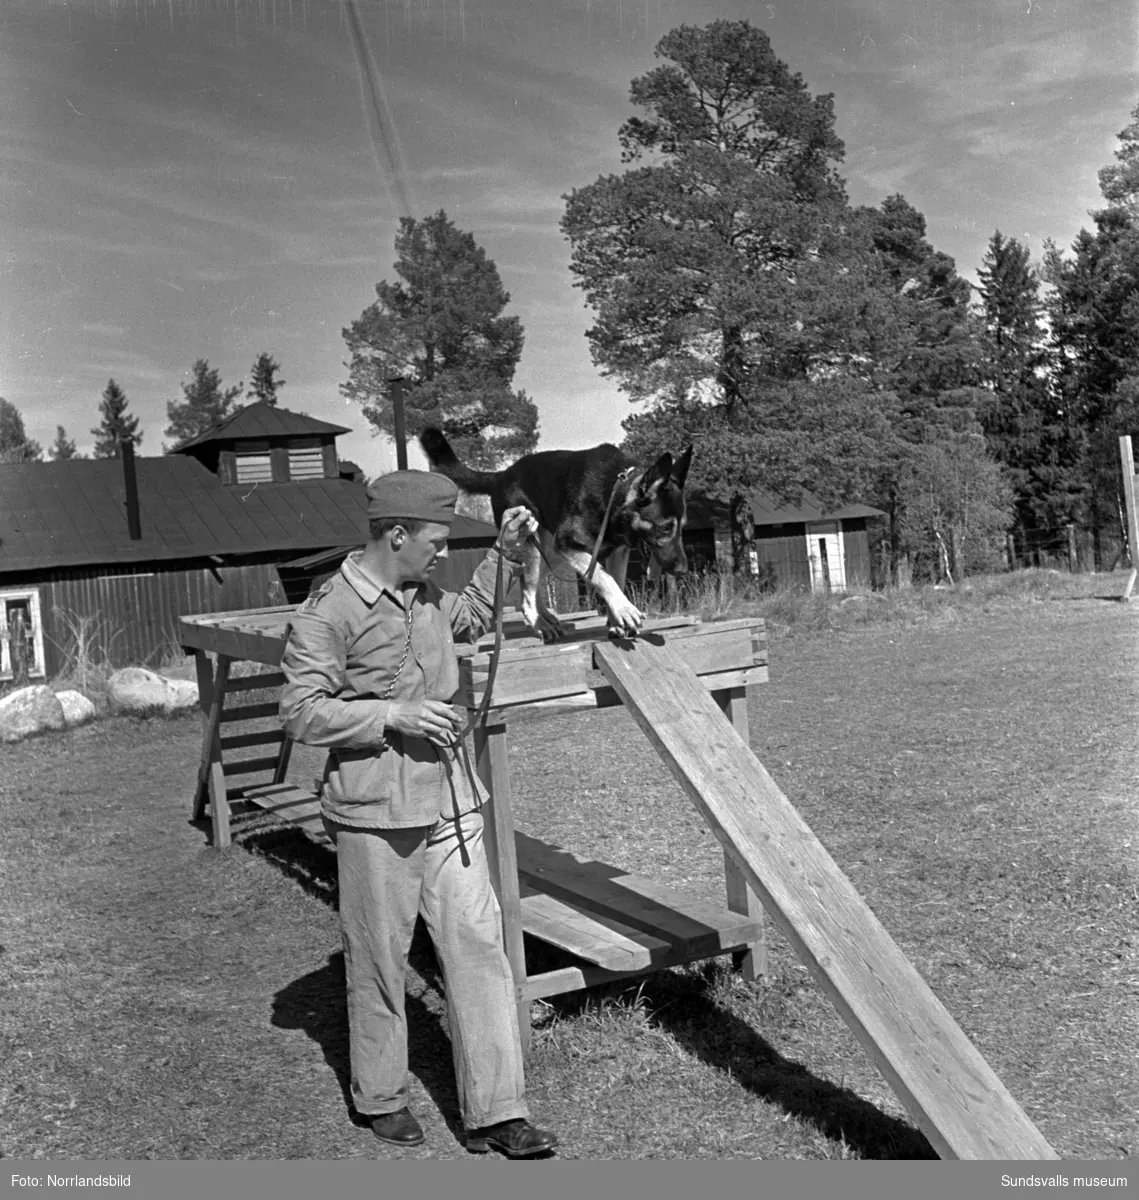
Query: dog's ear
[[655, 476], [680, 468]]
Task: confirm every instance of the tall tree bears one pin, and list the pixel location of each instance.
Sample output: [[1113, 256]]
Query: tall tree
[[1021, 423], [441, 327], [63, 448], [205, 402], [263, 383], [15, 445], [1093, 312], [115, 422], [702, 263], [1119, 183]]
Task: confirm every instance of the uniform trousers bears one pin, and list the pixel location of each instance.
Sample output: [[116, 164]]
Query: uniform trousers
[[387, 877]]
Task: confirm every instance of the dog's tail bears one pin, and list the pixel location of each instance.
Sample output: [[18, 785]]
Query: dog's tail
[[444, 460]]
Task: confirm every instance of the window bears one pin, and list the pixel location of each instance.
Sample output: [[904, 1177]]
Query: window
[[306, 462], [254, 468]]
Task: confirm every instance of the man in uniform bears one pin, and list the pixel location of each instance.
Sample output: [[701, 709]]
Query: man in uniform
[[370, 673]]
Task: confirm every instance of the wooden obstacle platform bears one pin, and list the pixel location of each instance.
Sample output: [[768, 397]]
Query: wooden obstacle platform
[[609, 923], [679, 681]]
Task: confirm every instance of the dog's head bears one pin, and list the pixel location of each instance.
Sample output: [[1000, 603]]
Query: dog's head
[[658, 512]]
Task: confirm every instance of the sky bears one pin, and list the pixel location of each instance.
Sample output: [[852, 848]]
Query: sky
[[185, 179]]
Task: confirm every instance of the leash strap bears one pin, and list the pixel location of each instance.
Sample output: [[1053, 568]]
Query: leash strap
[[605, 522], [480, 715]]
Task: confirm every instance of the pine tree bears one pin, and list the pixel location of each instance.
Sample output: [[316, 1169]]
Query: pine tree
[[1021, 424], [263, 384], [442, 328], [63, 448], [15, 445], [115, 424], [204, 404]]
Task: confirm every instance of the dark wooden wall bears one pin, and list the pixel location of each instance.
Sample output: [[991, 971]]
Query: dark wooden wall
[[131, 613]]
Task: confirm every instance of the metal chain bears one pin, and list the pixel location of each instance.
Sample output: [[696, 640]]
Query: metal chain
[[406, 650]]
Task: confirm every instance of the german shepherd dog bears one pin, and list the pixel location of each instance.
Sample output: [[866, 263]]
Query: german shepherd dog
[[568, 492]]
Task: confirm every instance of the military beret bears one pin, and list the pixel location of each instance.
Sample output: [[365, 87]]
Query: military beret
[[414, 496]]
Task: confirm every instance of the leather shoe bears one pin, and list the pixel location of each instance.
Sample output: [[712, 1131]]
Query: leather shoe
[[516, 1139], [398, 1128]]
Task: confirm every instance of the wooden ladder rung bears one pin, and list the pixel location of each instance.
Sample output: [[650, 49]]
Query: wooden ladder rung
[[246, 766], [237, 741], [250, 712], [254, 683]]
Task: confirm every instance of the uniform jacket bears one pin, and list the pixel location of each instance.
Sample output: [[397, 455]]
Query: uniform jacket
[[343, 649]]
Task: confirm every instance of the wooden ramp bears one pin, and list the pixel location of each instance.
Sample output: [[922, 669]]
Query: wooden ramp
[[950, 1091]]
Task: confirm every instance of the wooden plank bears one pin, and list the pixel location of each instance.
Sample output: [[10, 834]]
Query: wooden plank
[[266, 737], [1127, 460], [949, 1089], [205, 672], [252, 712], [246, 766], [255, 683], [567, 668], [210, 771], [752, 962], [692, 927], [597, 938], [291, 803], [492, 764]]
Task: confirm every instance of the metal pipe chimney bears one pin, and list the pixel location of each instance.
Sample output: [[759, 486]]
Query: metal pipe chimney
[[398, 389], [134, 524]]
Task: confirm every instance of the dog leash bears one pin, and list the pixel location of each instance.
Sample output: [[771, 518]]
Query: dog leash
[[482, 712]]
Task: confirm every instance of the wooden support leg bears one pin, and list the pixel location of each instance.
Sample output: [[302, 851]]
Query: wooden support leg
[[751, 963], [205, 673], [493, 768], [211, 783]]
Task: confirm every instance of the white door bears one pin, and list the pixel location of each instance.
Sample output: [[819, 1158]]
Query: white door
[[825, 554], [21, 634]]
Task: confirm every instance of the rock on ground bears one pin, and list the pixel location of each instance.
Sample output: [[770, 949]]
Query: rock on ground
[[137, 690], [30, 710], [77, 708]]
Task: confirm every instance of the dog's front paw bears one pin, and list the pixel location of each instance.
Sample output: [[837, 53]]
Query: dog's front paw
[[551, 629], [625, 619]]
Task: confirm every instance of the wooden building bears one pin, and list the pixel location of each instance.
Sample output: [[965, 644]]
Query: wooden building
[[94, 553], [794, 545]]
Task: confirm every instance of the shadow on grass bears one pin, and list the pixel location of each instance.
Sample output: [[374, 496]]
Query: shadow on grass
[[684, 1004], [316, 1004]]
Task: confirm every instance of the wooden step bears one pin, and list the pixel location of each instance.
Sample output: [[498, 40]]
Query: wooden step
[[690, 927], [294, 804], [246, 766], [254, 683], [237, 741], [251, 712], [595, 937]]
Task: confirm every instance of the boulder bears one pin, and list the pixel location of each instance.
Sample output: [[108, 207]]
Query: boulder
[[137, 690], [30, 710], [76, 707], [183, 693]]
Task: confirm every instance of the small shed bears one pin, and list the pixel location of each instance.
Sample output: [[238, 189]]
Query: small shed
[[801, 544]]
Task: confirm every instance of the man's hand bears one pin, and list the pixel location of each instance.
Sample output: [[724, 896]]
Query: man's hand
[[518, 524], [431, 719]]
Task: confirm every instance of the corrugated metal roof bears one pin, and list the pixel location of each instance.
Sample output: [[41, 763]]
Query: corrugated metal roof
[[766, 509], [63, 514], [67, 514], [263, 420]]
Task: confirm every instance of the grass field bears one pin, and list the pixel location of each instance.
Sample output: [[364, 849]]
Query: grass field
[[971, 762]]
